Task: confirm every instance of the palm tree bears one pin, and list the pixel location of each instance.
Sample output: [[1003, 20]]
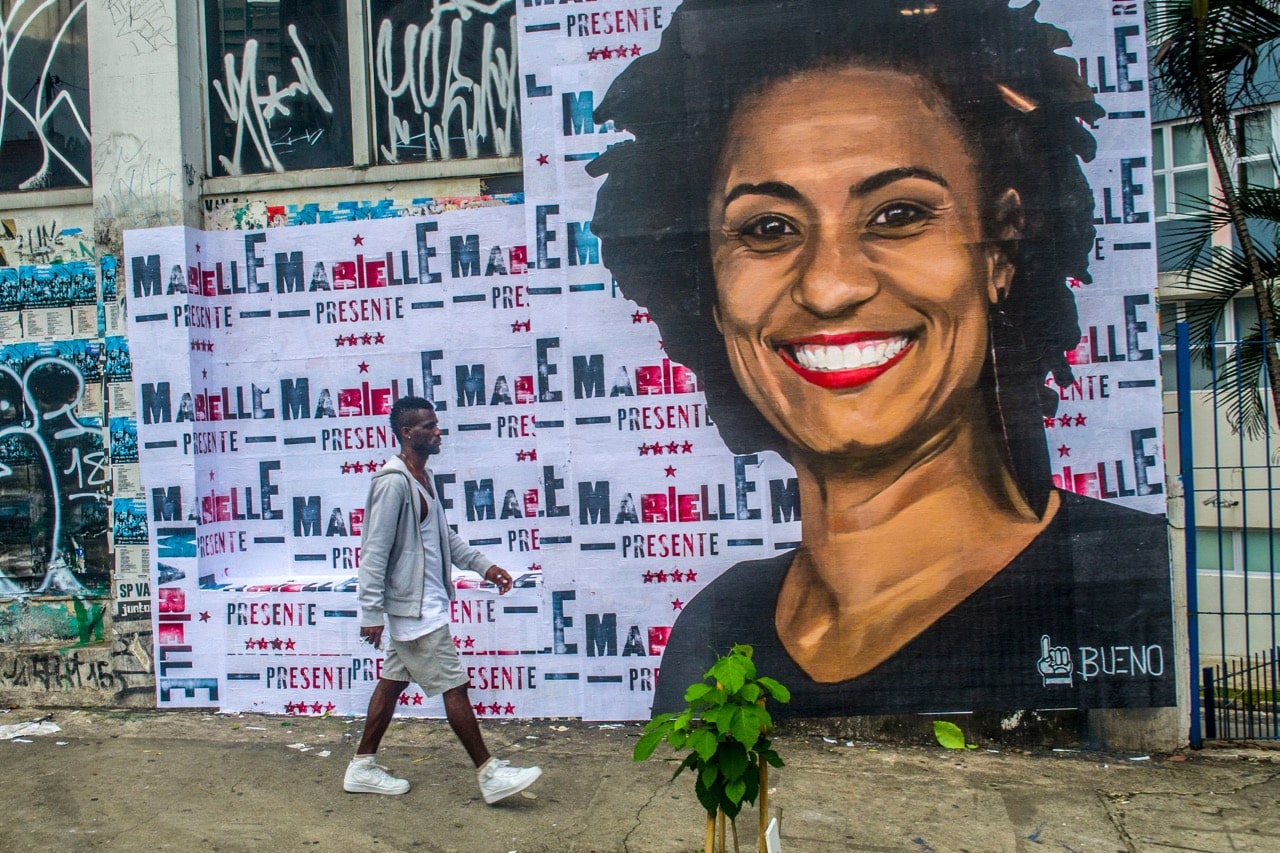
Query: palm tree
[[1207, 57]]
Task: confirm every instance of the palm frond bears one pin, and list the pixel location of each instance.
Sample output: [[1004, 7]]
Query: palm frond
[[1239, 383]]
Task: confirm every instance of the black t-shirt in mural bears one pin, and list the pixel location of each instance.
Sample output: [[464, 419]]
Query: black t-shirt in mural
[[1095, 582]]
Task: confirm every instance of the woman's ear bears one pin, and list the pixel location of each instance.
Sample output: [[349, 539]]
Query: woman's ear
[[715, 315], [1007, 229]]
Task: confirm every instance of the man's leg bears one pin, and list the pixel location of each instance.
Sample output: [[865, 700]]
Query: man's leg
[[382, 707], [462, 719], [364, 775]]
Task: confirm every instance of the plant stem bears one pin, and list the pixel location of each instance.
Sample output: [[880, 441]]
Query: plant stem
[[734, 824]]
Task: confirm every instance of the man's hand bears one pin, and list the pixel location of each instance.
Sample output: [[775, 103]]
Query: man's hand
[[372, 634], [498, 576]]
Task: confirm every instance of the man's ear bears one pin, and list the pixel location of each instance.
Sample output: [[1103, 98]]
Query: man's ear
[[715, 315], [1009, 221]]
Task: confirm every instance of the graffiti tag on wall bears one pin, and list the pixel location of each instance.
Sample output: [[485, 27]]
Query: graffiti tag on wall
[[447, 86], [44, 105], [278, 92]]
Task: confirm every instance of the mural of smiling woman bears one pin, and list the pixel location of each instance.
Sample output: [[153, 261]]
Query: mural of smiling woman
[[879, 213]]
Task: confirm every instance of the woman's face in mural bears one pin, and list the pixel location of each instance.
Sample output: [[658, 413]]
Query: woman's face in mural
[[853, 283]]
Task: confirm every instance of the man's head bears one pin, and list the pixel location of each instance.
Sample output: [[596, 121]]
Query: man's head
[[416, 427]]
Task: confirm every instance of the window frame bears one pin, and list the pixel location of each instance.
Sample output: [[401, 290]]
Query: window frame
[[364, 169]]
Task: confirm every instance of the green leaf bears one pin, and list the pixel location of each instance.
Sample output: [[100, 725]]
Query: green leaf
[[697, 691], [704, 743], [708, 795], [751, 692], [647, 744], [745, 729], [948, 734], [708, 775], [734, 790], [733, 759], [776, 690]]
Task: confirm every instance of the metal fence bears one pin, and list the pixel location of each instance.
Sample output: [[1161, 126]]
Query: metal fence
[[1229, 476]]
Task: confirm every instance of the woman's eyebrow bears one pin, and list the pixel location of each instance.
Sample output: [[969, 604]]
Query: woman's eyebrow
[[883, 179], [777, 189]]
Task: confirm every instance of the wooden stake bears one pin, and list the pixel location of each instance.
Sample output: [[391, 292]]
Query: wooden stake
[[711, 833], [764, 802], [723, 848]]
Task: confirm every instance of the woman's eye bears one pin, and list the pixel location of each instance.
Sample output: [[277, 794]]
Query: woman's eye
[[768, 232], [899, 217]]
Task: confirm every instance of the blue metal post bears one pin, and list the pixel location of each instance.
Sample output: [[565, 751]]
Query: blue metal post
[[1186, 467]]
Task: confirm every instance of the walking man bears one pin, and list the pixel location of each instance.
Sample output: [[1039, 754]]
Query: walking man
[[406, 549]]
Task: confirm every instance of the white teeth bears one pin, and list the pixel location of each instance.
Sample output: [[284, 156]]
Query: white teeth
[[848, 356]]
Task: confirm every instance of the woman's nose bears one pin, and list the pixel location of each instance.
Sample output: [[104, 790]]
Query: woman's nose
[[836, 277]]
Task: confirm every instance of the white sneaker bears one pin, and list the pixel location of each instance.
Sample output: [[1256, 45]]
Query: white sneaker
[[365, 777], [498, 779]]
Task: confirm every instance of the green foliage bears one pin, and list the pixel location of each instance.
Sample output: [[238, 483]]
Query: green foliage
[[724, 729], [950, 736]]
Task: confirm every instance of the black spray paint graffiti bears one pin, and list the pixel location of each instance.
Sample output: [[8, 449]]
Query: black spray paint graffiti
[[448, 85], [53, 478], [44, 66]]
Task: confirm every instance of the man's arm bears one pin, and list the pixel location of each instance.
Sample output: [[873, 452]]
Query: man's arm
[[466, 557], [377, 538]]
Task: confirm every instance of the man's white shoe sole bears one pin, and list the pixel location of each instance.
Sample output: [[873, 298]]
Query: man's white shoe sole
[[503, 793], [358, 788]]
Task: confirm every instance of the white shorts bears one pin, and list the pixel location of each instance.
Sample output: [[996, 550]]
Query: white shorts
[[431, 661]]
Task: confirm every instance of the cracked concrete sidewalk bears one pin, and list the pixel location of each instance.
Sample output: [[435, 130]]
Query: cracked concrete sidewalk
[[130, 780]]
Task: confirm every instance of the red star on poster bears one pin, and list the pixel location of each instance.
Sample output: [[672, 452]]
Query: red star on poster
[[495, 708], [621, 50], [204, 616], [316, 707], [379, 338], [417, 698], [639, 317], [687, 447], [351, 340], [510, 709], [673, 447], [277, 644], [346, 468], [635, 50], [655, 449], [364, 367], [372, 465], [1050, 422], [677, 605], [341, 341], [470, 642], [1064, 451], [288, 708], [289, 644], [690, 576], [262, 643], [359, 466], [592, 55], [644, 450], [677, 576], [648, 577], [249, 644], [404, 698], [671, 471], [1080, 419], [479, 708], [329, 707], [543, 160], [606, 53], [366, 339], [1064, 420], [457, 642], [662, 576], [357, 240]]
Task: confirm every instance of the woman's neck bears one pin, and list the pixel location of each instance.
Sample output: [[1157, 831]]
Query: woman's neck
[[889, 549]]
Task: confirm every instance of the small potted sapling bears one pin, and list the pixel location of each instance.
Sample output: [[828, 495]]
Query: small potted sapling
[[725, 732]]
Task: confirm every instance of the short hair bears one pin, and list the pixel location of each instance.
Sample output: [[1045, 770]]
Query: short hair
[[1022, 109], [407, 404]]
